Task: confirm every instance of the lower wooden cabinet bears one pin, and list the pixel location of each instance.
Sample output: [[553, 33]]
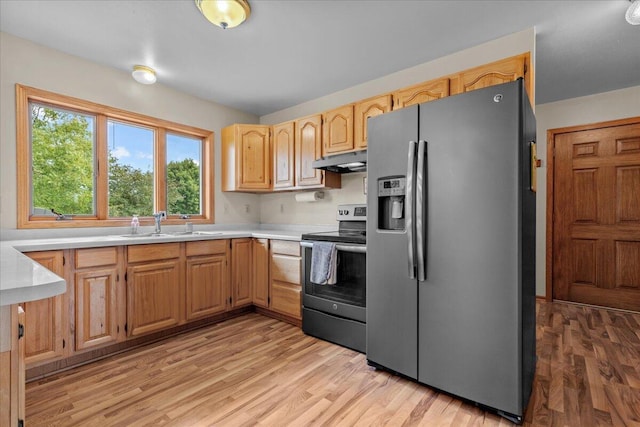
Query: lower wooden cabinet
[[207, 278], [12, 369], [153, 287], [260, 272], [285, 289], [240, 272], [46, 321], [99, 297]]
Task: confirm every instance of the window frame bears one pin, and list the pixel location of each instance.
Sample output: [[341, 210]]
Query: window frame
[[102, 113]]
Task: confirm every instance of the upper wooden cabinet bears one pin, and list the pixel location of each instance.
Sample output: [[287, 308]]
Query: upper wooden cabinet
[[495, 73], [283, 155], [337, 130], [362, 111], [246, 158], [46, 320], [423, 92]]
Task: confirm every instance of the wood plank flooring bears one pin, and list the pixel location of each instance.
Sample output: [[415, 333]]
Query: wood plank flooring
[[254, 370]]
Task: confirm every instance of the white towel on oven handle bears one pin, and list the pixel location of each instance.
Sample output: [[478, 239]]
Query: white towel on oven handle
[[324, 263]]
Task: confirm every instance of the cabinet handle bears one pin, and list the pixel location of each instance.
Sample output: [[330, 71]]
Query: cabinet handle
[[64, 343]]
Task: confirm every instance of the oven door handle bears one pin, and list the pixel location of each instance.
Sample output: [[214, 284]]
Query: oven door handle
[[361, 249]]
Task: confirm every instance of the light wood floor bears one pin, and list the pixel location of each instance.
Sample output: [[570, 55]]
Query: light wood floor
[[254, 370]]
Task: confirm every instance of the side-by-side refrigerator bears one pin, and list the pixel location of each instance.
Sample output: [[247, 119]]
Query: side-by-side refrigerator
[[451, 246]]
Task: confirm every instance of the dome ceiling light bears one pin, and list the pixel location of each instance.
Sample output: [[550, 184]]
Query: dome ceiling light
[[224, 13], [143, 74], [633, 13]]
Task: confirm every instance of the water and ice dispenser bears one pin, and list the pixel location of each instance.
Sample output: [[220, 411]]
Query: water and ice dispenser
[[391, 197]]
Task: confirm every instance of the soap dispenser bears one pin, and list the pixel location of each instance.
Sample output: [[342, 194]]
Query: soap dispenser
[[135, 223]]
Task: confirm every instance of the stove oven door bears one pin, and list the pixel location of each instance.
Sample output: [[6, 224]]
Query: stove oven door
[[347, 298]]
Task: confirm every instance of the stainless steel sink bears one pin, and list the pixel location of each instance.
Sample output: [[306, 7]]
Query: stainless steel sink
[[133, 236], [195, 233]]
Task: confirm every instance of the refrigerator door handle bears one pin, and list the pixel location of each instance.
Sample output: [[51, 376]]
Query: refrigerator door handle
[[409, 209], [420, 211]]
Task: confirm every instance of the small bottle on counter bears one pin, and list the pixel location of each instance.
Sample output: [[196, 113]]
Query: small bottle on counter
[[135, 223]]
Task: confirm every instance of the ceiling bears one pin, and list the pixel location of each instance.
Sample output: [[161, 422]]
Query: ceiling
[[290, 51]]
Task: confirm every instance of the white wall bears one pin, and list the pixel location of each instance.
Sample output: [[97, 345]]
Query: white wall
[[617, 104], [24, 62], [282, 208]]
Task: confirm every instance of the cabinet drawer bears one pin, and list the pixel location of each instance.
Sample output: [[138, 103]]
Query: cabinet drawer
[[285, 268], [285, 298], [207, 247], [285, 247], [141, 253], [96, 257]]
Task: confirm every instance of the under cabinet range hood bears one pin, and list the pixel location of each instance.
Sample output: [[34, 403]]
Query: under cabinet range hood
[[355, 161]]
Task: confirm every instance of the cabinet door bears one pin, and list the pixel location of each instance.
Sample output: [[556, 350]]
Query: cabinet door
[[46, 320], [96, 307], [283, 155], [363, 110], [240, 272], [153, 295], [337, 130], [496, 73], [254, 157], [285, 278], [423, 92], [260, 248], [207, 282], [308, 148]]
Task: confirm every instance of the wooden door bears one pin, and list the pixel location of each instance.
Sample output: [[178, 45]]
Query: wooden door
[[46, 320], [260, 263], [153, 296], [362, 111], [96, 307], [240, 272], [308, 148], [337, 130], [283, 155], [596, 216], [206, 285], [423, 92], [254, 157]]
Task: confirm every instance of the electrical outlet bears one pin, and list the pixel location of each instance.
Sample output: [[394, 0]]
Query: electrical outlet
[[246, 208], [281, 207]]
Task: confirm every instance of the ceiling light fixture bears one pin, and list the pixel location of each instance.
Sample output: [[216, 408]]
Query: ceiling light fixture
[[633, 13], [143, 74], [224, 13]]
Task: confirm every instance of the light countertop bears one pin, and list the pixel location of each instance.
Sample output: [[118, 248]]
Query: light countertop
[[22, 279]]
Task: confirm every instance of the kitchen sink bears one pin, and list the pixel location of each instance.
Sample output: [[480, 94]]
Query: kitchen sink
[[195, 233], [145, 235]]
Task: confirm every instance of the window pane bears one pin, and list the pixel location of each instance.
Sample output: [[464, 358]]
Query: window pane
[[130, 169], [62, 157], [184, 174]]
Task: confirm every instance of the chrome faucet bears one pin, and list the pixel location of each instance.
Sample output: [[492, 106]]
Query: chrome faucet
[[159, 216]]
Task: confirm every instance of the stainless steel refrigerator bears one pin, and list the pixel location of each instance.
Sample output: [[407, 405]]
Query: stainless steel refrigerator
[[451, 246]]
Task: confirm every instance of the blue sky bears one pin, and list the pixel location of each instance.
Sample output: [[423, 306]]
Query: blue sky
[[133, 145]]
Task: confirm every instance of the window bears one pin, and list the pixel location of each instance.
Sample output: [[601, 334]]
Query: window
[[82, 164]]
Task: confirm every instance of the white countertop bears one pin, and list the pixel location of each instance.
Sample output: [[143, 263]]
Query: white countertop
[[22, 279]]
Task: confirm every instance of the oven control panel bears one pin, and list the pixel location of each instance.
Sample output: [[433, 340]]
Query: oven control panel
[[352, 212]]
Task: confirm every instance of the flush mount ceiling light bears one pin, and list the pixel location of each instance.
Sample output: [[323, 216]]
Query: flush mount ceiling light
[[224, 13], [143, 74], [633, 13]]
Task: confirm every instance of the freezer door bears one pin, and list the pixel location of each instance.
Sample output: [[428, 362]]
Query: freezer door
[[469, 319], [392, 296]]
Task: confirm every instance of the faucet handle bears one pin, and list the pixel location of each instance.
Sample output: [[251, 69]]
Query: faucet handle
[[160, 215]]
